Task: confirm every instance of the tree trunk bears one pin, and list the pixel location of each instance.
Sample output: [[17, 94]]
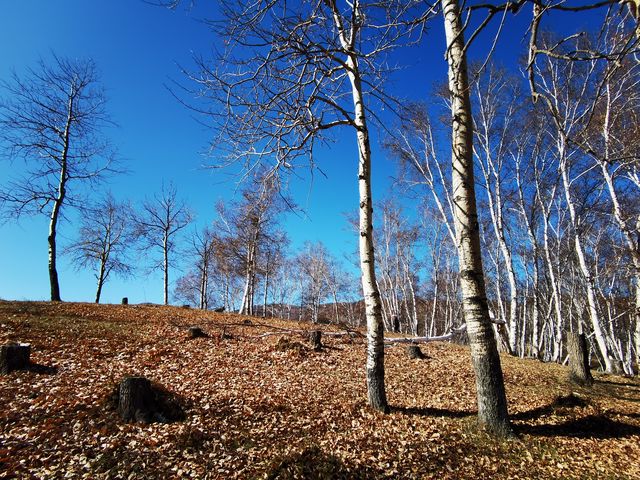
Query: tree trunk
[[57, 204], [373, 308], [165, 267], [492, 401], [100, 279], [599, 333], [578, 358]]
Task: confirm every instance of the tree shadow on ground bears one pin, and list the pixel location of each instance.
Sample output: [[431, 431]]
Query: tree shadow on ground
[[432, 412], [562, 402], [42, 369], [599, 426], [591, 426], [313, 463], [620, 390]]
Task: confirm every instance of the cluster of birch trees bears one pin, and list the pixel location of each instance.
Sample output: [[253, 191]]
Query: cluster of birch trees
[[529, 213]]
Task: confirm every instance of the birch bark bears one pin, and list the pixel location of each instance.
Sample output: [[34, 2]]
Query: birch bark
[[492, 401]]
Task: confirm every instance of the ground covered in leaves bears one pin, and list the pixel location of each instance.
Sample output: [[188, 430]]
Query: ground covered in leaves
[[269, 406]]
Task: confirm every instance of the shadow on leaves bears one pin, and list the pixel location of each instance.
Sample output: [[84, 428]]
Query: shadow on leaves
[[561, 403], [592, 426], [313, 464], [432, 412], [42, 369]]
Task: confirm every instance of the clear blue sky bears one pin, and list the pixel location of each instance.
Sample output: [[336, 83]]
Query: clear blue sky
[[137, 47]]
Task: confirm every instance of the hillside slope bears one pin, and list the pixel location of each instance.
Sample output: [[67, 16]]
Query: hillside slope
[[256, 409]]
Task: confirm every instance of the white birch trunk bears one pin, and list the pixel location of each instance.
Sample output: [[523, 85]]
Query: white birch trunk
[[373, 309], [596, 323], [492, 402]]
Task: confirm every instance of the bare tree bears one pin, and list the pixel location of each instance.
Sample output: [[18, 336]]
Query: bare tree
[[104, 241], [157, 227], [245, 229], [52, 118], [292, 72], [194, 286], [313, 263]]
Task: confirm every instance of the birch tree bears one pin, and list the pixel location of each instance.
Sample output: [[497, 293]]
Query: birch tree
[[157, 226], [492, 401], [290, 74], [53, 119], [494, 126], [104, 242]]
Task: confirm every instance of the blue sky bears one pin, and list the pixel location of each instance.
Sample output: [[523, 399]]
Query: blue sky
[[137, 48]]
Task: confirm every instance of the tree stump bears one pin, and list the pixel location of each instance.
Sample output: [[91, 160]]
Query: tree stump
[[219, 309], [316, 339], [196, 332], [618, 366], [14, 356], [136, 400], [579, 371], [125, 300], [414, 352], [396, 324]]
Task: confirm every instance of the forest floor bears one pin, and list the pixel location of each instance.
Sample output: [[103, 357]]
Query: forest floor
[[255, 409]]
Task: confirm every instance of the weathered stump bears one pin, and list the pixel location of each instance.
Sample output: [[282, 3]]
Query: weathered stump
[[618, 366], [14, 356], [315, 337], [196, 332], [579, 371], [396, 324], [414, 352], [125, 300], [136, 401]]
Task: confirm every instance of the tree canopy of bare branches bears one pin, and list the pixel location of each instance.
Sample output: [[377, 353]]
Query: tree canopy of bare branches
[[157, 226], [53, 118]]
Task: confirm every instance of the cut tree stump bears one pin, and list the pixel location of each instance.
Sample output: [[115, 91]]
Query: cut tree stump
[[196, 332], [125, 300], [414, 352], [579, 371], [396, 324], [315, 337], [136, 401], [14, 356]]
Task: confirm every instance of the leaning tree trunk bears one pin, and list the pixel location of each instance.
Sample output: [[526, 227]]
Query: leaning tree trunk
[[53, 270], [57, 204], [578, 358], [596, 322], [492, 401], [101, 279]]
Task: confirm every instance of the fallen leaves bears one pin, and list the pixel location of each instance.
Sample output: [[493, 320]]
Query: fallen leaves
[[258, 410]]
